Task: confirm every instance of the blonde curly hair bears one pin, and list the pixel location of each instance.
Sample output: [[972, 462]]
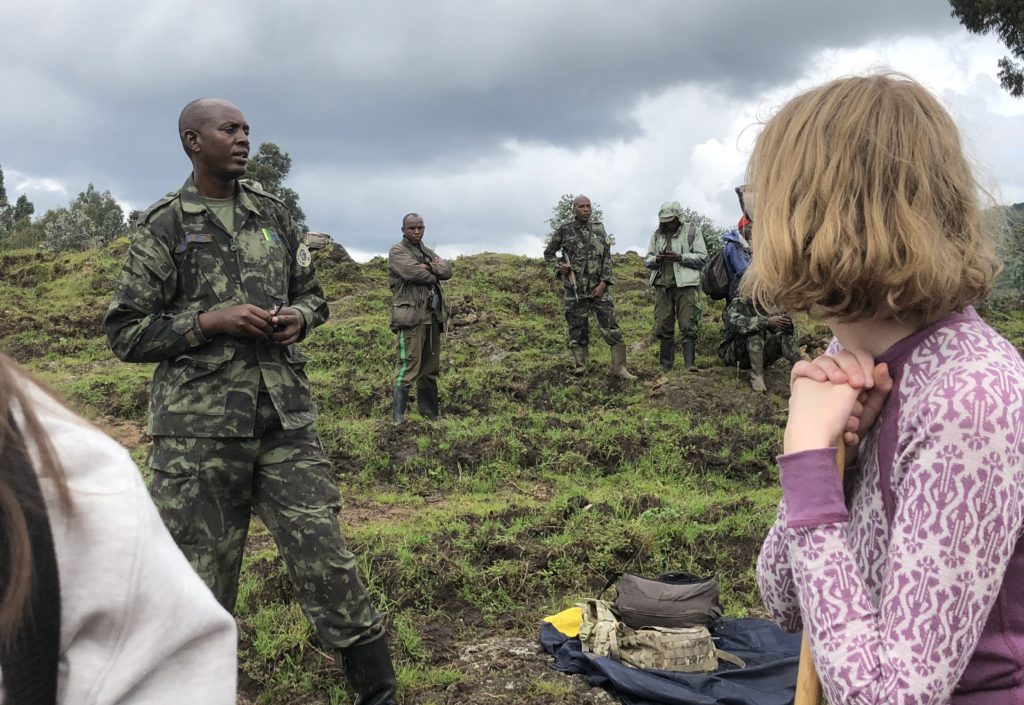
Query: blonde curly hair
[[865, 207]]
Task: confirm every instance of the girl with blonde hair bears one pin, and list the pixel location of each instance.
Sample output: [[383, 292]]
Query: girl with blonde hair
[[907, 577]]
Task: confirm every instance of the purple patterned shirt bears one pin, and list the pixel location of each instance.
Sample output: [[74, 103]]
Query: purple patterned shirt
[[912, 576]]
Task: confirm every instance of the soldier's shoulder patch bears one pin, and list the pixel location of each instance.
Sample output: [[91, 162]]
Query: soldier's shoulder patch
[[257, 188], [302, 256], [148, 214]]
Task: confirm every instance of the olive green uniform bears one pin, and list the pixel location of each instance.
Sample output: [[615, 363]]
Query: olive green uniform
[[588, 248], [232, 418], [418, 317], [745, 332], [675, 283]]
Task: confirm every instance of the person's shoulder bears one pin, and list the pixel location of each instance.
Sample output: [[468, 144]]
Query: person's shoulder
[[968, 357], [93, 462], [397, 248], [161, 210], [256, 189]]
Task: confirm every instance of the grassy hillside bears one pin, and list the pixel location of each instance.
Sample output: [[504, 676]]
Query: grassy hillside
[[531, 490]]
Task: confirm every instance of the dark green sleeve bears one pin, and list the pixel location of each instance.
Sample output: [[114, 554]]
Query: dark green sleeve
[[606, 259], [304, 290], [137, 324], [741, 318], [554, 245]]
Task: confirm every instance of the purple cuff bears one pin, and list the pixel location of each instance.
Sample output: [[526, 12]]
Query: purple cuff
[[812, 489]]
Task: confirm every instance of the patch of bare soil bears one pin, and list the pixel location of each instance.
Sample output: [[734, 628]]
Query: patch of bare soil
[[128, 433], [510, 670], [359, 512], [716, 392]]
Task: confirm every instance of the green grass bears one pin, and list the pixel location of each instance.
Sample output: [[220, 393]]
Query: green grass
[[533, 488]]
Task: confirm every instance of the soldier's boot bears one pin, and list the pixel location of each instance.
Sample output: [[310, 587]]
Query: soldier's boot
[[667, 355], [689, 354], [579, 359], [619, 363], [426, 398], [370, 673], [399, 402], [757, 371]]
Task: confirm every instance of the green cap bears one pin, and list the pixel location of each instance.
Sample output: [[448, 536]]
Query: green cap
[[670, 210]]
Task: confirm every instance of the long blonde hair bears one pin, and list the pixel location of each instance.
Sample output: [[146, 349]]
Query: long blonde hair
[[15, 502], [865, 207]]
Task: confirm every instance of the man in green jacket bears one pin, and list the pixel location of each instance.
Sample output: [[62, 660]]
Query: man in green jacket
[[675, 256], [585, 270], [217, 288], [415, 274]]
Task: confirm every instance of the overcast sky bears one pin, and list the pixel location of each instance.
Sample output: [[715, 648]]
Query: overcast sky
[[478, 114]]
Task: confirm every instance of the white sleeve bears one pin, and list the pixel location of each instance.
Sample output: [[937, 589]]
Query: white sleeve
[[173, 641]]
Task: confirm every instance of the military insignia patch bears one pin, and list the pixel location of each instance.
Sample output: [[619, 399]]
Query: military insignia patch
[[303, 257]]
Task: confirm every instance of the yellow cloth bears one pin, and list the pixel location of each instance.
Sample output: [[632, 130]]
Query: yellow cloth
[[567, 621]]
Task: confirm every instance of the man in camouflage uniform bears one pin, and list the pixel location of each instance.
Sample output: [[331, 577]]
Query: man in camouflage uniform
[[415, 274], [585, 270], [675, 256], [753, 342], [749, 340], [217, 288]]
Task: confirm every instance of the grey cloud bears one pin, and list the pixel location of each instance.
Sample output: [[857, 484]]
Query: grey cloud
[[99, 84]]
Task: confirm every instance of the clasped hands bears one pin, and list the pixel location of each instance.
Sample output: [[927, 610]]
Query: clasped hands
[[248, 321], [833, 396]]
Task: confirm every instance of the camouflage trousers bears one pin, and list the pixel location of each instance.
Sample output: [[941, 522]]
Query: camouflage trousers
[[577, 314], [206, 489], [735, 351], [419, 355], [674, 304]]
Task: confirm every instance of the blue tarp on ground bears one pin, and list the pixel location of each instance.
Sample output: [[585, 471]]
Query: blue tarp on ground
[[771, 656]]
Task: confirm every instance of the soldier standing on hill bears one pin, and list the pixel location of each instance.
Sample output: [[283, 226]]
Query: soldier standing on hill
[[218, 287], [415, 274], [585, 271], [675, 256]]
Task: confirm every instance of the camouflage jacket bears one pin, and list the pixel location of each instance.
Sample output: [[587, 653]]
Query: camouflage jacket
[[412, 286], [588, 248], [182, 263], [740, 320]]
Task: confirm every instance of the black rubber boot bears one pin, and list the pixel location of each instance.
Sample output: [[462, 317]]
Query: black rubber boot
[[371, 676], [400, 401], [689, 353], [668, 354], [426, 398]]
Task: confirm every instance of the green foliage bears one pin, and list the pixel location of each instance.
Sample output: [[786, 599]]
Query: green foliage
[[270, 167], [533, 486], [14, 219], [562, 213], [1013, 250], [90, 220], [1005, 18], [711, 232]]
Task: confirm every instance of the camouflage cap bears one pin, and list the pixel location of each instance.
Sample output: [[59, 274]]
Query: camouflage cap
[[670, 210]]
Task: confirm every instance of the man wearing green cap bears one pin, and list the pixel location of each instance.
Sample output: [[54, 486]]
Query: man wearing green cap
[[675, 256]]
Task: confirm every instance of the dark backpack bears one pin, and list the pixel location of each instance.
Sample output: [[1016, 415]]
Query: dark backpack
[[676, 600], [714, 280]]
